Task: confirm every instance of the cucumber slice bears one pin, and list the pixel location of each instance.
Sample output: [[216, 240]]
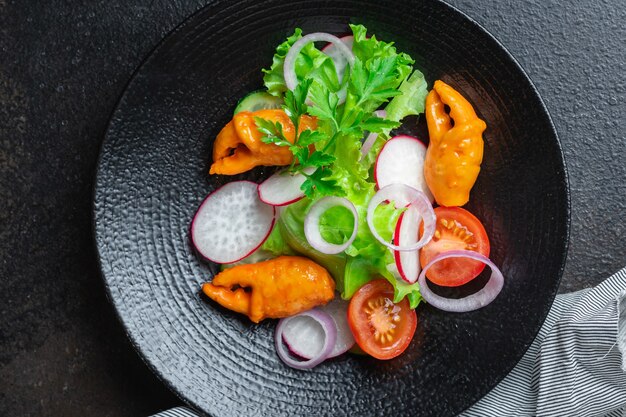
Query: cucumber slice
[[258, 100]]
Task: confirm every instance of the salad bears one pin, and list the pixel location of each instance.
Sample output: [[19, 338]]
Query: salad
[[342, 241]]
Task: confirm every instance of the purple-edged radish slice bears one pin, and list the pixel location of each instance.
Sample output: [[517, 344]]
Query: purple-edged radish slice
[[231, 223], [283, 188], [472, 302], [406, 234], [401, 195], [401, 161], [338, 57], [305, 337]]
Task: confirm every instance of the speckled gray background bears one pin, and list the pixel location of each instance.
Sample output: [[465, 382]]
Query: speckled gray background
[[63, 64]]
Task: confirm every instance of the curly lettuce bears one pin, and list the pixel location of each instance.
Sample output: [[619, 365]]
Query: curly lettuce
[[412, 101]]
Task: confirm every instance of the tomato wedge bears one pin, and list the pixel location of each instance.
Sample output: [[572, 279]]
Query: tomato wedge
[[457, 228], [380, 327]]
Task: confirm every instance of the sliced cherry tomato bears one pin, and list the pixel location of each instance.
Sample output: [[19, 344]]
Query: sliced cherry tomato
[[380, 327], [457, 228]]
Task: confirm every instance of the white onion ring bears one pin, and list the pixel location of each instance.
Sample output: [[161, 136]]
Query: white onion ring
[[338, 58], [371, 138], [472, 302], [289, 67], [404, 195], [312, 225], [330, 332]]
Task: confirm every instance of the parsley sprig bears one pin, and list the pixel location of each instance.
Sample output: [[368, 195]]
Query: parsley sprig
[[295, 107], [370, 84]]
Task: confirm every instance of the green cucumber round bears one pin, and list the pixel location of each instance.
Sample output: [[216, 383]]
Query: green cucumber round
[[258, 100]]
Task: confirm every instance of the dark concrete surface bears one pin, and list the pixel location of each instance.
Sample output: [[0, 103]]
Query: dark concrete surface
[[63, 65]]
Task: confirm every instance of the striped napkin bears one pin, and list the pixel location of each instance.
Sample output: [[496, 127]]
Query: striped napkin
[[577, 364], [575, 367]]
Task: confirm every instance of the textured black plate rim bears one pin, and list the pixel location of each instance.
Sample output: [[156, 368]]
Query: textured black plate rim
[[161, 377], [182, 25]]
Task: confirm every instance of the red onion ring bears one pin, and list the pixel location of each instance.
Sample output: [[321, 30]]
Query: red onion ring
[[404, 195], [371, 138], [337, 309], [312, 225], [291, 79], [472, 302], [330, 332], [305, 339]]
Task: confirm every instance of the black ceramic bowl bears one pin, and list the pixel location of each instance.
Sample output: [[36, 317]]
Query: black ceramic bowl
[[153, 175]]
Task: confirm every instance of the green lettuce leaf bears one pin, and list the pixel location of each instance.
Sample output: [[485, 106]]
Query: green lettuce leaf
[[276, 245], [336, 225], [411, 101], [365, 49]]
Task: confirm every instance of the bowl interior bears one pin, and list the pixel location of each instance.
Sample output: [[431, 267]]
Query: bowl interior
[[153, 175]]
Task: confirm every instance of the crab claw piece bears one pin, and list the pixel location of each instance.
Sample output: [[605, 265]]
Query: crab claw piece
[[277, 288], [456, 149], [239, 146], [237, 300]]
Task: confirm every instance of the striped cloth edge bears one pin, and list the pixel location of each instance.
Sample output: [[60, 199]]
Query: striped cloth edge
[[576, 365], [177, 412]]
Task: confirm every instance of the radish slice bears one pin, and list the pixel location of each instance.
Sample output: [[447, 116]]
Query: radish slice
[[283, 188], [401, 161], [339, 59], [371, 138], [312, 225], [472, 302], [326, 336], [231, 223], [402, 195], [291, 80], [305, 328], [406, 234]]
